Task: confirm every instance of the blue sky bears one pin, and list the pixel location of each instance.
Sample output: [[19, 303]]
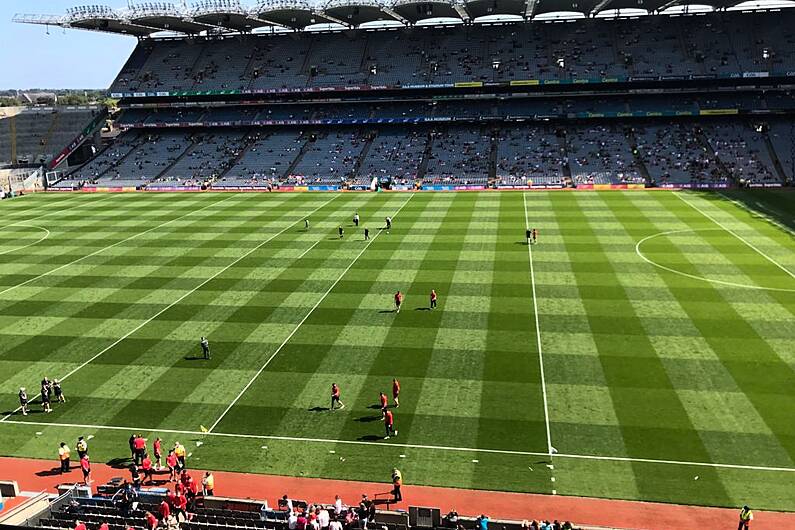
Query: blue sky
[[63, 59]]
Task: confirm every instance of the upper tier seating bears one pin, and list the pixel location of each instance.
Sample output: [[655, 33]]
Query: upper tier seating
[[712, 44]]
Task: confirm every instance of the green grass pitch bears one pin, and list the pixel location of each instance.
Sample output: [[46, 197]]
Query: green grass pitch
[[666, 333]]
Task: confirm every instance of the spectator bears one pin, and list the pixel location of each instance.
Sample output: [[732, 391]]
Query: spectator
[[451, 519], [337, 505], [323, 518], [483, 522], [80, 525], [292, 521]]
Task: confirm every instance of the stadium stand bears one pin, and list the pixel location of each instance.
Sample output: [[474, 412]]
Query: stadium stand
[[35, 135], [713, 44], [394, 154], [673, 153], [742, 151], [529, 154], [459, 156], [599, 154]]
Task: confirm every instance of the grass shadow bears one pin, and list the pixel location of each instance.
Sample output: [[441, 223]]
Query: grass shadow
[[388, 311], [422, 309], [368, 419], [318, 409], [194, 358]]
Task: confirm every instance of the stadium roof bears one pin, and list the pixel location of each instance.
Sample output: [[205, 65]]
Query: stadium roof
[[216, 16]]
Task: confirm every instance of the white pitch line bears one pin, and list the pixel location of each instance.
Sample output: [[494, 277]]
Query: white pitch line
[[175, 302], [693, 276], [538, 331], [103, 249], [678, 462], [45, 236], [702, 212], [305, 252], [755, 212], [54, 211], [407, 446], [301, 323]]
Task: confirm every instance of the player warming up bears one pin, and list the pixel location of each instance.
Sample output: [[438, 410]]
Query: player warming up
[[389, 425], [398, 301], [335, 397], [396, 392], [356, 219], [205, 344], [383, 402], [433, 298]]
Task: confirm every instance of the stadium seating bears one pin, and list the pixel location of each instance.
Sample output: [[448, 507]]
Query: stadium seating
[[329, 159], [714, 44], [267, 157], [529, 153], [394, 154], [40, 133], [459, 156], [782, 136], [742, 151], [673, 153], [599, 154]]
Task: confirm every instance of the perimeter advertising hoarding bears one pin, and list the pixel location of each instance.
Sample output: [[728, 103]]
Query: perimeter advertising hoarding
[[765, 185], [695, 185]]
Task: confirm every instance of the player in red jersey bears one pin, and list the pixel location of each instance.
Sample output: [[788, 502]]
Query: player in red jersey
[[335, 396], [396, 392], [398, 301], [433, 298], [384, 403], [389, 425]]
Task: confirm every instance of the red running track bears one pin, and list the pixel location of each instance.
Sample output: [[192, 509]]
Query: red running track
[[42, 475]]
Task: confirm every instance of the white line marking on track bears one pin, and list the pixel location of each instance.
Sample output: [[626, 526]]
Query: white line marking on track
[[175, 302], [103, 249], [693, 276], [538, 331], [301, 323], [738, 236], [408, 446], [45, 236]]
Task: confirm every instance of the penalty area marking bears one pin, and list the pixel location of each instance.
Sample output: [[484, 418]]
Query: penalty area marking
[[694, 276], [410, 446], [42, 238]]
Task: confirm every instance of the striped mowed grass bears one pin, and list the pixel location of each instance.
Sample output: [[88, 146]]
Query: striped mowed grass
[[664, 348]]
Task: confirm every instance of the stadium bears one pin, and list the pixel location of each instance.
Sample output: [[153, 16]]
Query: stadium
[[507, 264]]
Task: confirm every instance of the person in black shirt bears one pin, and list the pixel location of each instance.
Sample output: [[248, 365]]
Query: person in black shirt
[[366, 234], [23, 400], [341, 231], [45, 395], [56, 388]]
